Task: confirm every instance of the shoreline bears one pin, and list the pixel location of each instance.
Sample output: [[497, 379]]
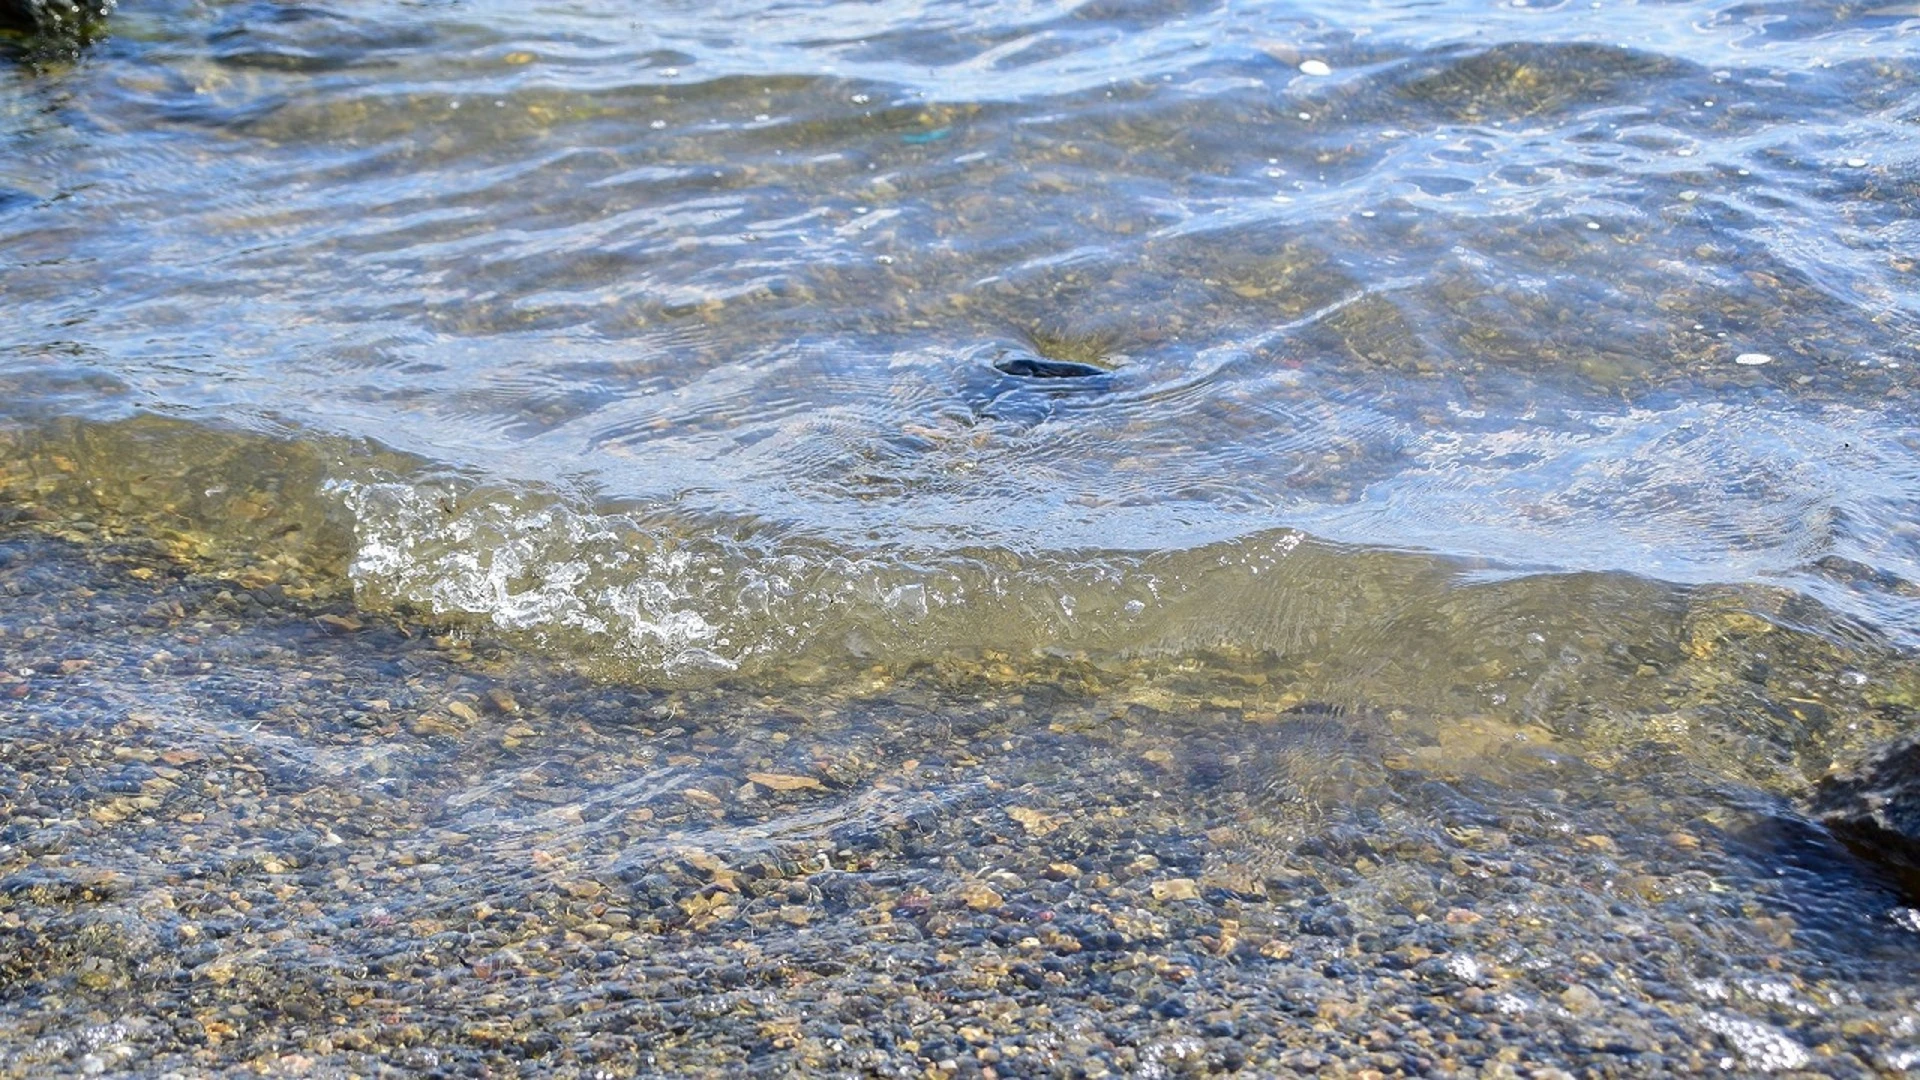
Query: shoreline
[[220, 857]]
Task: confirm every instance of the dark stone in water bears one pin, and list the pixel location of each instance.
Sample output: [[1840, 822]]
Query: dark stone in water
[[50, 30], [51, 16], [1874, 805], [1038, 367], [1020, 387]]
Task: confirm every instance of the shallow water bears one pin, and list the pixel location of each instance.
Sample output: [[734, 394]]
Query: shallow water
[[1525, 390], [1479, 292]]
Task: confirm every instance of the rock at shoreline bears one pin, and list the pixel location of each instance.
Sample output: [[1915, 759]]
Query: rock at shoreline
[[1874, 804], [74, 21]]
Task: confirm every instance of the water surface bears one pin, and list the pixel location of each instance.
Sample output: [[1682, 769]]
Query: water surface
[[1522, 374], [1481, 291]]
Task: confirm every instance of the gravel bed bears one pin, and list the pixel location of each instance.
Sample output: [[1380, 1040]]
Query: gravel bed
[[245, 832]]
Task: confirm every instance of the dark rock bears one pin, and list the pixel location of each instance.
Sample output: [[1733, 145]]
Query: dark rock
[[1873, 805], [69, 18], [1038, 367]]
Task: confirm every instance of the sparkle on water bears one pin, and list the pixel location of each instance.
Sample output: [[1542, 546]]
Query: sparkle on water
[[1527, 375]]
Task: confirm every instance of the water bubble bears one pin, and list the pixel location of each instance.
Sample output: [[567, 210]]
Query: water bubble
[[861, 99], [1315, 67], [1753, 359], [657, 125]]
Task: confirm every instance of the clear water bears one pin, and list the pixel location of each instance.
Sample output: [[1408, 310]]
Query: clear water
[[726, 282], [1504, 368]]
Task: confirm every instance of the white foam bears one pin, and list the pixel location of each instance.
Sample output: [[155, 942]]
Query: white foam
[[1760, 1046]]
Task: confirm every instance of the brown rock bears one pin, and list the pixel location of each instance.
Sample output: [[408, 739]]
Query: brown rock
[[1176, 889], [786, 782]]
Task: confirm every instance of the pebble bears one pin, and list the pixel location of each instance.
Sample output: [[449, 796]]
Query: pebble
[[1176, 889], [1315, 67], [1753, 359]]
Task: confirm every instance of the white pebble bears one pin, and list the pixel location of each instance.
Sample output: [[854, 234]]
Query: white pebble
[[1306, 116], [1753, 359], [1315, 67], [1856, 163], [1594, 225]]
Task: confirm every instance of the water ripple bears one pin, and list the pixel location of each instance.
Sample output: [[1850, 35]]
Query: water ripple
[[1546, 287]]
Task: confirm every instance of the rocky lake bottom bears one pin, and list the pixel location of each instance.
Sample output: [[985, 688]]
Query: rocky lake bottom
[[932, 538], [246, 829]]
